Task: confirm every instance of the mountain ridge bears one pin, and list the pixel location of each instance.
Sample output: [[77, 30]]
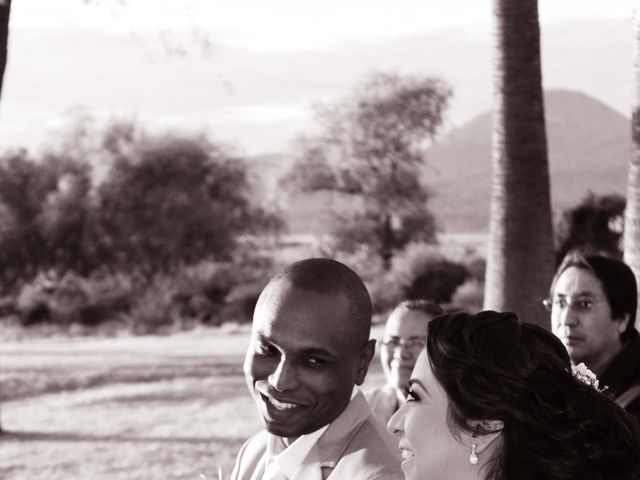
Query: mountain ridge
[[589, 146]]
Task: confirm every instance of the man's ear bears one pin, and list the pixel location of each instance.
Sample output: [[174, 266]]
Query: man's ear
[[485, 432], [622, 320], [366, 354]]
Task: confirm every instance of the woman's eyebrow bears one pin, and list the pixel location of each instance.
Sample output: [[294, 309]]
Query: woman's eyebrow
[[415, 381]]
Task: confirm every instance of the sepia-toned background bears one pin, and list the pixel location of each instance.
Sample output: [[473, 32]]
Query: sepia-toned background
[[160, 160]]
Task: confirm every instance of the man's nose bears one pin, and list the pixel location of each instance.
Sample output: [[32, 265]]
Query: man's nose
[[401, 351], [285, 377], [567, 317]]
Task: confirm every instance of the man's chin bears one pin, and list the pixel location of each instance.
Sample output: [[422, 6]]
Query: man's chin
[[283, 431], [575, 353]]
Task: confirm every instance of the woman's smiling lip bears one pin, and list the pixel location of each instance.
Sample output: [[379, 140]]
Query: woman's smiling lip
[[407, 453]]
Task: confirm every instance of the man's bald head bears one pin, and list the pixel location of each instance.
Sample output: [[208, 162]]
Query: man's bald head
[[330, 277]]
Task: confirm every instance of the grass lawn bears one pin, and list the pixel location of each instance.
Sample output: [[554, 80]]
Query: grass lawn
[[126, 408]]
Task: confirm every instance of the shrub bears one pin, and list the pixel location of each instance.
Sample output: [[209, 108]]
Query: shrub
[[33, 301], [205, 293], [421, 271], [153, 309], [596, 222], [241, 302], [468, 297], [110, 294], [72, 299], [210, 293]]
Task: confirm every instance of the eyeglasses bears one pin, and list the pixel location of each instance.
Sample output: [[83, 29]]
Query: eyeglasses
[[414, 345], [579, 304]]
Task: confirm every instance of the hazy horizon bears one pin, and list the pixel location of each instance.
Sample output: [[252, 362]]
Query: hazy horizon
[[249, 74]]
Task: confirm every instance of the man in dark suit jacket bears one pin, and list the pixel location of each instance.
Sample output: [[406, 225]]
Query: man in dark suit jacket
[[593, 301], [309, 350]]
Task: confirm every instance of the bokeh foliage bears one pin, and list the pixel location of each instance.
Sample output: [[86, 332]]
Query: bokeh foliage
[[371, 148], [596, 223], [153, 218]]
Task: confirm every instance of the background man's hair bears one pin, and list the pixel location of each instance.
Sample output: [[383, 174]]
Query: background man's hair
[[427, 306]]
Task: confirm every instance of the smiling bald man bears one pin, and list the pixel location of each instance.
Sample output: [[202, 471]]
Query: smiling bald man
[[309, 351]]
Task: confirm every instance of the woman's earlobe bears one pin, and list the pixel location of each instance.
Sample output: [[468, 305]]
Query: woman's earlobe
[[491, 425], [485, 432]]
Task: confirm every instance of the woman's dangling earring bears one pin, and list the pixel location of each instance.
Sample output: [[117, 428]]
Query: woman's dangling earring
[[473, 458]]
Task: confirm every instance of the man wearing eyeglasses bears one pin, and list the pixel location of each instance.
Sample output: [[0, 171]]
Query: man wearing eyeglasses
[[404, 339], [593, 310]]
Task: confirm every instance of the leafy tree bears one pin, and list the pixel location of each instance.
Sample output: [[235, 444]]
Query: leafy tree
[[596, 222], [42, 205], [370, 149], [520, 252], [174, 200], [67, 219], [163, 201]]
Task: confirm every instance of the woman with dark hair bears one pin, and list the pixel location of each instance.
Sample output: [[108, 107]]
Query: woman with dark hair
[[493, 399], [593, 301]]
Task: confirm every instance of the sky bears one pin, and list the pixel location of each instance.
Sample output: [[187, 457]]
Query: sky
[[248, 71]]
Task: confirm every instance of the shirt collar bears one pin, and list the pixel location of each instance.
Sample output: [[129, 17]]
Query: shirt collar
[[290, 458]]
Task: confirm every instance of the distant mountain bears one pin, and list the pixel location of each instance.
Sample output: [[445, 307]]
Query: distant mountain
[[589, 148]]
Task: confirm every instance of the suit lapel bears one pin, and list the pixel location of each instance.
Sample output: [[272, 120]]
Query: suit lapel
[[258, 472], [251, 462], [328, 450]]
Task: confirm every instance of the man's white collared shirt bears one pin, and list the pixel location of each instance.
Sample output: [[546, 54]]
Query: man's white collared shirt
[[284, 462], [285, 465]]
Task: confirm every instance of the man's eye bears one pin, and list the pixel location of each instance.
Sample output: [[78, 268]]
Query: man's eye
[[391, 344], [560, 302], [315, 361], [585, 304]]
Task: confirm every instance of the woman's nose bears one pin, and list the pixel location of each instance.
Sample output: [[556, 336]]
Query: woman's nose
[[396, 422]]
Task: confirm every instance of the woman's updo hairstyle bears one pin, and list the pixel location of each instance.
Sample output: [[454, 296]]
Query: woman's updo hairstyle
[[492, 367]]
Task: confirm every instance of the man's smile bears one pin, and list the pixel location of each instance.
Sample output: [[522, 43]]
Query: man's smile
[[279, 409]]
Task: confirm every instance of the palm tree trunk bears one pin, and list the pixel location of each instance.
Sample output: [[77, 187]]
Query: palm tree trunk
[[520, 250], [5, 10], [632, 212]]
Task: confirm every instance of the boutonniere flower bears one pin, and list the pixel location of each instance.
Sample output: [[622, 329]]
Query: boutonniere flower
[[582, 373]]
